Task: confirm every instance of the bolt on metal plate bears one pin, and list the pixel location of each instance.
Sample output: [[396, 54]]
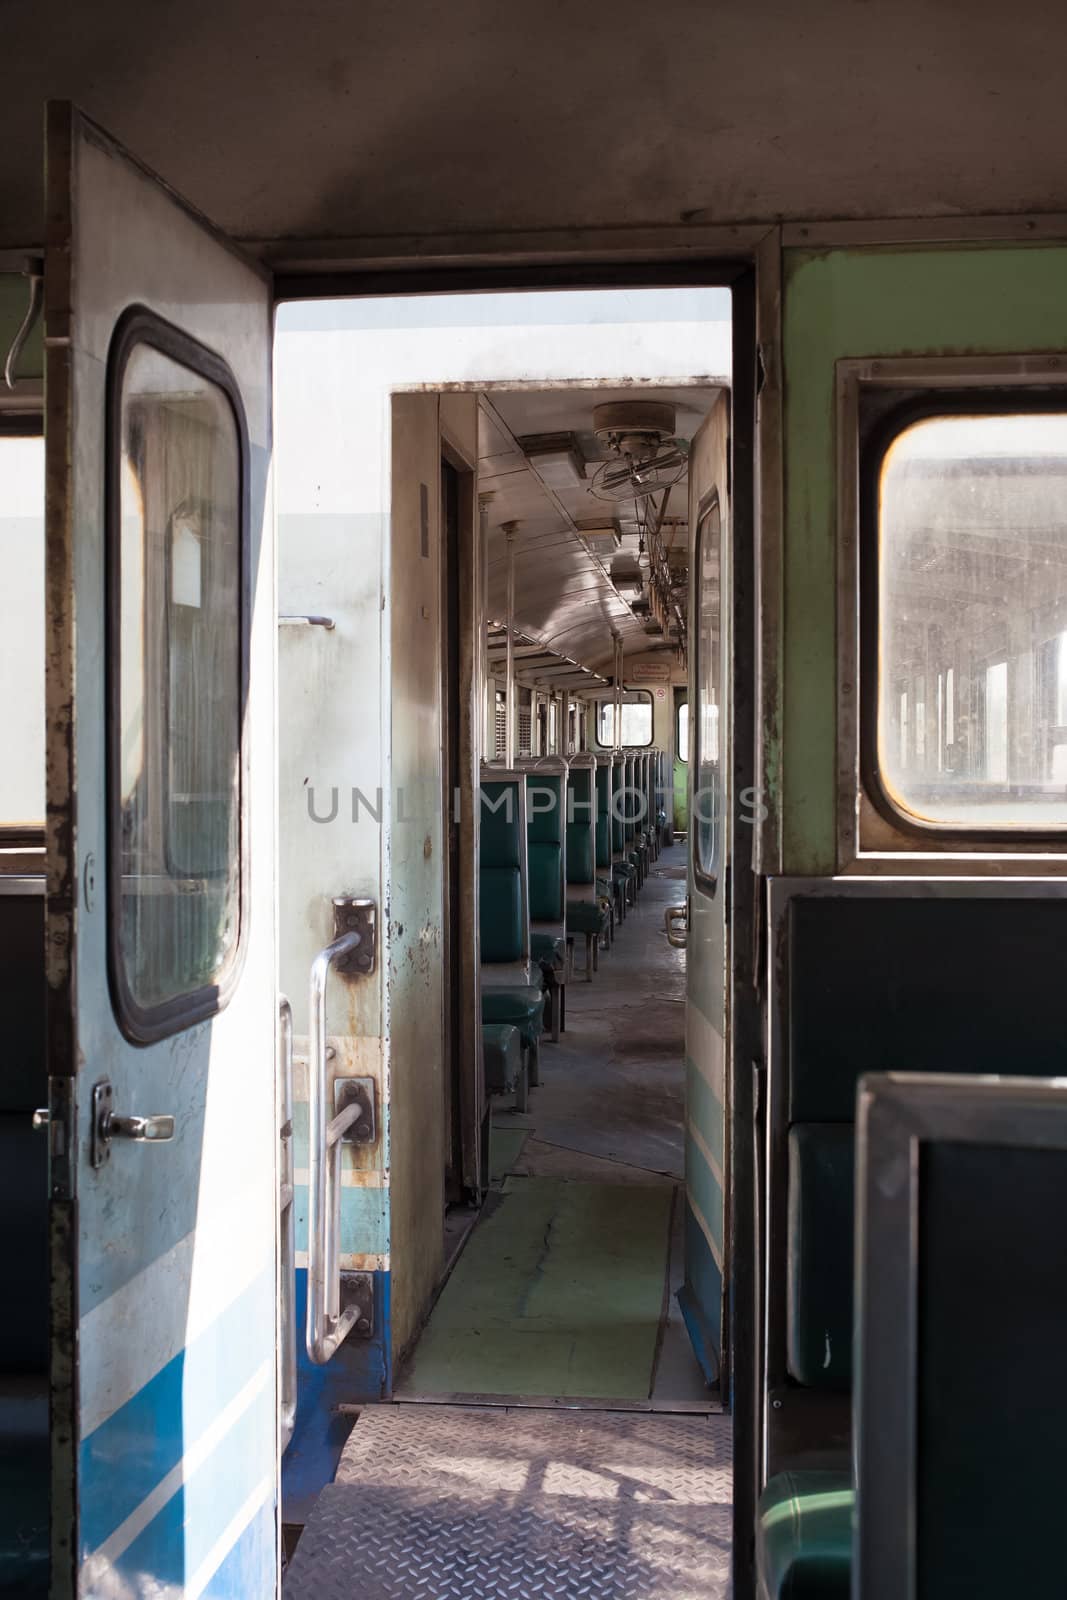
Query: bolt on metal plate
[[351, 915], [357, 1289], [356, 1091]]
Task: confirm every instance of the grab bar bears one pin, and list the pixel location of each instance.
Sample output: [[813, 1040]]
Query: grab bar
[[287, 1228], [327, 1325]]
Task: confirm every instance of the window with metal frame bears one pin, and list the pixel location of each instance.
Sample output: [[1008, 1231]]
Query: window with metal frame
[[22, 632], [965, 626], [635, 721], [681, 744], [705, 768], [177, 668]]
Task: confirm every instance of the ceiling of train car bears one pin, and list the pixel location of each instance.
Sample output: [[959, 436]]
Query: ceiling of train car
[[581, 563], [329, 120]]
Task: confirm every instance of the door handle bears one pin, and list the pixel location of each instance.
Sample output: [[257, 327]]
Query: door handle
[[676, 922], [143, 1130], [108, 1124]]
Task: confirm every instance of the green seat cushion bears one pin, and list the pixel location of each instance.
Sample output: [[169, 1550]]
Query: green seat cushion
[[502, 1054], [523, 1004], [585, 916], [580, 853], [546, 881], [544, 808], [623, 870], [500, 914], [500, 836], [547, 948], [819, 1253], [804, 1536]]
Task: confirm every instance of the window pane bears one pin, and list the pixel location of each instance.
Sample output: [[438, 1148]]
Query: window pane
[[973, 613], [683, 731], [22, 631], [706, 804], [178, 758], [636, 721]]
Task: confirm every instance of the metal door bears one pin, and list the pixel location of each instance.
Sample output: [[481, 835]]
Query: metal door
[[702, 1297], [161, 905]]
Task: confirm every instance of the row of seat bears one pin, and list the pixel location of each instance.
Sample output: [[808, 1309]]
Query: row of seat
[[565, 847]]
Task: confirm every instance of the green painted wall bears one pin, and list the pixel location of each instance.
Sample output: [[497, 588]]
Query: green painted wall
[[857, 303]]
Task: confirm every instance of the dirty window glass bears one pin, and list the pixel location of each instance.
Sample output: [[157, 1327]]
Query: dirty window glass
[[179, 623], [22, 623], [635, 722], [972, 680], [706, 800]]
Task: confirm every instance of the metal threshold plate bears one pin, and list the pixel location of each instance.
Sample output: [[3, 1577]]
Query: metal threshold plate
[[436, 1501]]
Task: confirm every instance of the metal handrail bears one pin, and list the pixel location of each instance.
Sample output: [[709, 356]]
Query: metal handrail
[[327, 1325], [287, 1222]]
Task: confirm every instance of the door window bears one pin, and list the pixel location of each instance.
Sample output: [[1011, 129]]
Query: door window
[[176, 660]]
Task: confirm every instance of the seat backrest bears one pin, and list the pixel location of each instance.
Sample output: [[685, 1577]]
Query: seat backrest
[[545, 834], [873, 983], [581, 824], [960, 1410], [503, 918], [603, 812], [629, 804], [618, 826]]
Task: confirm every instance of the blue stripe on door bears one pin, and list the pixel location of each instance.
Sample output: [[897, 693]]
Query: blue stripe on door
[[174, 1547], [123, 1460], [249, 1571]]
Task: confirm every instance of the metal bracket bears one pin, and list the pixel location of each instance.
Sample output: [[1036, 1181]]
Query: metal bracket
[[99, 1143], [356, 1091], [356, 916], [357, 1289]]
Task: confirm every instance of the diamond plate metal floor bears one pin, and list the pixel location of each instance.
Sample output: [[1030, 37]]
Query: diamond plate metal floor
[[442, 1502]]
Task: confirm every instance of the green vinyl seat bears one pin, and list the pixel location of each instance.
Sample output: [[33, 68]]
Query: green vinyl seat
[[505, 1069], [804, 1536], [589, 919], [547, 949], [522, 1004], [586, 916]]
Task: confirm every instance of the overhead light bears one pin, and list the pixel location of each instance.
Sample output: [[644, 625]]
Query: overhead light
[[600, 535], [555, 457]]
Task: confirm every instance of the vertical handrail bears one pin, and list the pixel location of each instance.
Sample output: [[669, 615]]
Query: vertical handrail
[[327, 1325], [287, 1222]]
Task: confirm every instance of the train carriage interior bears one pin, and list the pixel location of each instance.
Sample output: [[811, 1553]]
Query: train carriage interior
[[533, 802]]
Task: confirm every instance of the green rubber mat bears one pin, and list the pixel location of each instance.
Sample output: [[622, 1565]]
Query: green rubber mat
[[505, 1148], [559, 1292]]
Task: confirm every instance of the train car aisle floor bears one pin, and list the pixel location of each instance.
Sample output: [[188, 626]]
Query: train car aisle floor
[[563, 1289], [553, 1435]]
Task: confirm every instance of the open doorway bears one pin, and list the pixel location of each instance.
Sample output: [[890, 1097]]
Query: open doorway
[[488, 497]]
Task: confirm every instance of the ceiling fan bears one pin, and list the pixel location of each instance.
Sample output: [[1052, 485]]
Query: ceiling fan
[[645, 453]]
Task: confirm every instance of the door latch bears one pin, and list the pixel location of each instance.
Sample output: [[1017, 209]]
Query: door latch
[[108, 1125]]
